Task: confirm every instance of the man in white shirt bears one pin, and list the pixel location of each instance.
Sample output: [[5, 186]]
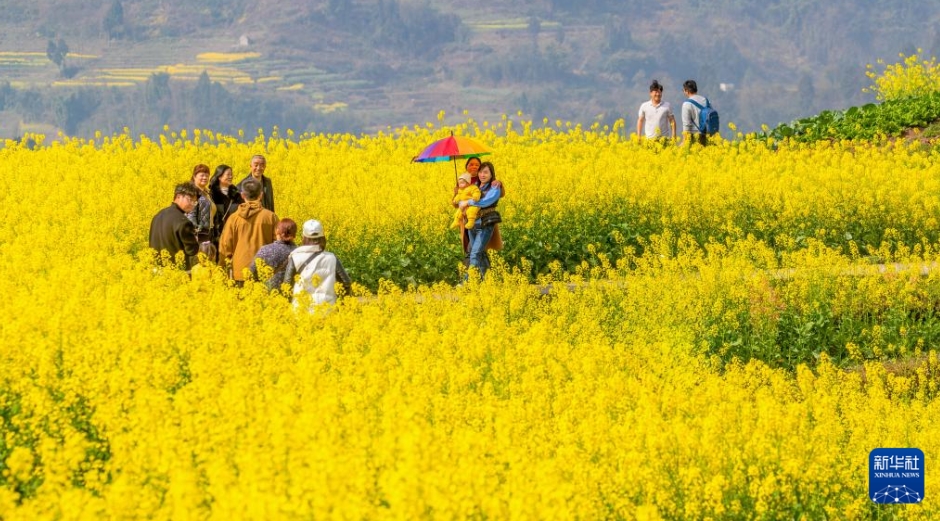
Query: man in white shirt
[[656, 116]]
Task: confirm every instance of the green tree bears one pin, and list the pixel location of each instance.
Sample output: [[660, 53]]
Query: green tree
[[616, 35], [338, 9], [202, 99], [30, 104], [158, 97], [534, 27], [113, 23], [7, 94], [71, 110], [419, 30], [56, 51]]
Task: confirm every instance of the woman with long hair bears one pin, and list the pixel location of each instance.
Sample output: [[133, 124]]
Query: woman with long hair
[[472, 167], [485, 225], [225, 195]]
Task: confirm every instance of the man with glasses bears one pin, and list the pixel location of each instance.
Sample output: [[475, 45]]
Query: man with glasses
[[172, 232]]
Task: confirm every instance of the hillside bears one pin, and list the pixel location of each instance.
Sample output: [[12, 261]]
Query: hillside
[[363, 65]]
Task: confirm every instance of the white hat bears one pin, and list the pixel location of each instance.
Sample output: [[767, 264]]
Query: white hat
[[313, 229]]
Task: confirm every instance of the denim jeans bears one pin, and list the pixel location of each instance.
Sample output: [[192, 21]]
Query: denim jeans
[[479, 237]]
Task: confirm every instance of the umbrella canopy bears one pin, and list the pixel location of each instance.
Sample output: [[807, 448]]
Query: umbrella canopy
[[452, 148]]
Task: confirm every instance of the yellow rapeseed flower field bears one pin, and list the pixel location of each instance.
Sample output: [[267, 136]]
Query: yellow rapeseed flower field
[[715, 343], [912, 76]]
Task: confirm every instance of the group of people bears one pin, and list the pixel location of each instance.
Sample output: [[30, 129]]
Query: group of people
[[657, 121], [235, 226], [475, 197]]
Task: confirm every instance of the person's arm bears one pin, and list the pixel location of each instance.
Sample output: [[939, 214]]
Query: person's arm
[[289, 272], [489, 199], [640, 121], [268, 188], [343, 277], [688, 113], [203, 214], [193, 215], [190, 245], [253, 267], [227, 242]]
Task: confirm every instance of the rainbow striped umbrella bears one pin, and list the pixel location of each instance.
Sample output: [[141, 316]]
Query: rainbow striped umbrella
[[452, 148]]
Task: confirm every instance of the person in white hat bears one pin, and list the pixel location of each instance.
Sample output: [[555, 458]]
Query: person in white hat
[[318, 269]]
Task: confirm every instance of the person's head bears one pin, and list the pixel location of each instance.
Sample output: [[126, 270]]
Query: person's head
[[186, 195], [313, 233], [251, 190], [222, 177], [472, 166], [487, 173], [656, 91], [257, 166], [286, 230], [464, 180], [200, 176], [690, 87]]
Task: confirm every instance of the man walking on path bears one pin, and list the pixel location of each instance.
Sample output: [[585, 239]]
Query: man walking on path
[[246, 231], [656, 118], [171, 231], [690, 113], [257, 165], [319, 269]]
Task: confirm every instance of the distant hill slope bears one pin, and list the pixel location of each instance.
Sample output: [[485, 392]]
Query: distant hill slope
[[362, 65]]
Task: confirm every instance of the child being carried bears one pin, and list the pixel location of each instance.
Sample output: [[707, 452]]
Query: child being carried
[[466, 192]]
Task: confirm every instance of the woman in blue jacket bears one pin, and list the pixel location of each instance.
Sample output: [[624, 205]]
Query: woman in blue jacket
[[492, 191]]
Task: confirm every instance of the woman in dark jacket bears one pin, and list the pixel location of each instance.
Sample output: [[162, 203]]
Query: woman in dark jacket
[[225, 196], [203, 215]]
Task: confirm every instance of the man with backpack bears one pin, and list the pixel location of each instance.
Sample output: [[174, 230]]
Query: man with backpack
[[698, 116]]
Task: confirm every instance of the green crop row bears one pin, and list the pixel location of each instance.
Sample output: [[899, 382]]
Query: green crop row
[[889, 119]]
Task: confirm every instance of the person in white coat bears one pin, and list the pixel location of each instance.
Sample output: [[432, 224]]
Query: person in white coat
[[318, 270]]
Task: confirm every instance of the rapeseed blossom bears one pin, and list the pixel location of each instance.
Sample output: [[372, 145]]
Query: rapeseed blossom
[[670, 333]]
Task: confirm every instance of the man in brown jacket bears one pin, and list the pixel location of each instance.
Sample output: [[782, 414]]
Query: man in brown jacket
[[246, 231]]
